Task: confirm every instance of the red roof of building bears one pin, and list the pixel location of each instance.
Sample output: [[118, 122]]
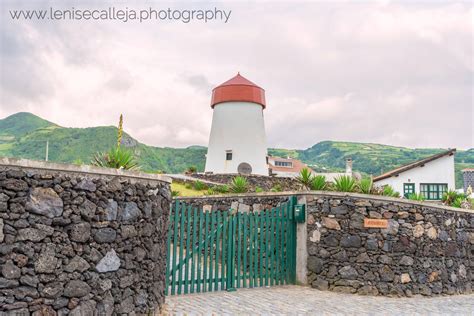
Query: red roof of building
[[238, 89]]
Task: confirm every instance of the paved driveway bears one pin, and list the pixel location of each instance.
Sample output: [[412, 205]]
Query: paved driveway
[[296, 300]]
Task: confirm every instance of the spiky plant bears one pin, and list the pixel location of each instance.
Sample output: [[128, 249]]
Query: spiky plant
[[450, 196], [198, 185], [344, 183], [258, 190], [318, 183], [416, 197], [239, 185], [175, 193], [305, 177], [118, 158], [388, 190], [365, 185]]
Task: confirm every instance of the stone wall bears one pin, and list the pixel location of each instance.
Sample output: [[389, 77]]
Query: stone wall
[[81, 240], [426, 249], [265, 182], [238, 202]]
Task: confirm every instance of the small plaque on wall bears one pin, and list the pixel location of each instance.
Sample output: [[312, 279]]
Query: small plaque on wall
[[375, 223]]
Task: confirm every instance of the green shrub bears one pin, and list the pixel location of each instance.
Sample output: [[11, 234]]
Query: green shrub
[[344, 183], [118, 158], [221, 188], [276, 188], [305, 177], [258, 190], [175, 193], [210, 191], [239, 185], [388, 190], [458, 202], [365, 185], [188, 186], [199, 186], [416, 197], [318, 183]]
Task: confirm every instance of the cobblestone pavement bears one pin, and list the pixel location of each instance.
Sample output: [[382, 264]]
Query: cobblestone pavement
[[298, 300]]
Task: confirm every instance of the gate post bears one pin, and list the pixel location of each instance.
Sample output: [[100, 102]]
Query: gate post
[[301, 247]]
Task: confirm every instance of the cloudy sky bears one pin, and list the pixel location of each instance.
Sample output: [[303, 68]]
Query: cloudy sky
[[374, 71]]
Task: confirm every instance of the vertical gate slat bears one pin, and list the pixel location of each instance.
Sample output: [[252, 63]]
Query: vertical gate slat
[[262, 245], [168, 251], [181, 243], [280, 245], [275, 245], [245, 250], [201, 233], [256, 252], [185, 263], [239, 247], [287, 233], [232, 262], [212, 231], [267, 246], [193, 248], [206, 246], [225, 222], [285, 244], [216, 267], [175, 244], [251, 246]]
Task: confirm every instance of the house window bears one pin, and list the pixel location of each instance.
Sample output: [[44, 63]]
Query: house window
[[284, 164], [408, 188], [433, 191], [228, 155]]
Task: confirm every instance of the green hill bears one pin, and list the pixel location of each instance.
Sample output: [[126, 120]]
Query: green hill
[[25, 135]]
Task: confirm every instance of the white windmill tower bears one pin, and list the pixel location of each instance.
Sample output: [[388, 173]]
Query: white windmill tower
[[237, 143]]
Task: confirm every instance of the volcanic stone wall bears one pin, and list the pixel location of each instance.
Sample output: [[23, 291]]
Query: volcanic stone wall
[[81, 240], [425, 249], [237, 202], [266, 183]]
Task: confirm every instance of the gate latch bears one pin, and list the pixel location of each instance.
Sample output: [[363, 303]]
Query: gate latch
[[300, 215]]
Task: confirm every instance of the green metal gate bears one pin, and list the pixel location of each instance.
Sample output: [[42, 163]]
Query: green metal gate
[[225, 250]]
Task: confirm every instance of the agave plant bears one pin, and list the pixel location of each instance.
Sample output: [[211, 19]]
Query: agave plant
[[365, 185], [318, 183], [458, 202], [198, 185], [416, 197], [239, 185], [118, 158], [451, 196], [388, 190], [305, 177], [344, 183]]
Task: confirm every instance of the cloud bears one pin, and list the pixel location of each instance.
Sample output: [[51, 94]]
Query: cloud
[[395, 73]]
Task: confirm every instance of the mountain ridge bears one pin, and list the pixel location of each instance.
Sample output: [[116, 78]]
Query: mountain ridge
[[24, 135]]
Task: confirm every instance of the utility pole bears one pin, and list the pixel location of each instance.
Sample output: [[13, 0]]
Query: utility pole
[[47, 149]]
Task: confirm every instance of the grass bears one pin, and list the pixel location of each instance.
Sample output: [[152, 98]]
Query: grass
[[183, 191]]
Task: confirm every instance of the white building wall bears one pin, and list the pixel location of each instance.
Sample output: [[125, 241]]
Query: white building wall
[[437, 171], [237, 126]]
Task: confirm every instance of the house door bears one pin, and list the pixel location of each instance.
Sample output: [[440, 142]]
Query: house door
[[408, 188]]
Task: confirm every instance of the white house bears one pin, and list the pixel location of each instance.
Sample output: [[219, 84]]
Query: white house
[[237, 143], [431, 176], [285, 167]]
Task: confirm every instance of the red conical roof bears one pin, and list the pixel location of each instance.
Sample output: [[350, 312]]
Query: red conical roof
[[238, 89]]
